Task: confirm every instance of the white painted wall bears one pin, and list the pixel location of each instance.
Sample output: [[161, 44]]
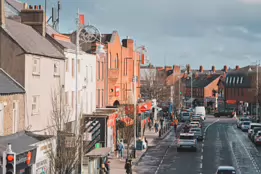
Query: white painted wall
[[41, 85], [88, 67]]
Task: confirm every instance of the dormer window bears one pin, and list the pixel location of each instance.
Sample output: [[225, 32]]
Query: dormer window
[[234, 80], [230, 80], [237, 80], [227, 80]]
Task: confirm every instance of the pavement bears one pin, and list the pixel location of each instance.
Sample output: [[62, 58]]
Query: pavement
[[223, 144], [117, 165]]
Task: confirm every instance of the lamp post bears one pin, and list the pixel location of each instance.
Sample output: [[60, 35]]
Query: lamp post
[[257, 87], [179, 89], [140, 50], [90, 35], [191, 91]]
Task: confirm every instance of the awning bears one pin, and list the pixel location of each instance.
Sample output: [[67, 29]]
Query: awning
[[190, 100], [100, 152]]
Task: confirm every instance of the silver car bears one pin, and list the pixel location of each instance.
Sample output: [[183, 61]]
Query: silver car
[[187, 141], [245, 125], [197, 133], [226, 170]]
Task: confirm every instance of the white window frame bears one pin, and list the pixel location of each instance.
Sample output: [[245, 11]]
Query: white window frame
[[36, 104], [227, 80], [234, 80], [56, 68], [36, 66], [241, 80], [230, 80], [237, 80], [15, 116], [91, 74]]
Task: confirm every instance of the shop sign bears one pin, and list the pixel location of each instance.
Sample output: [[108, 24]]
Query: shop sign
[[26, 158], [117, 91]]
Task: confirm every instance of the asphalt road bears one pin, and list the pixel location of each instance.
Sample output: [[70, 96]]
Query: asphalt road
[[224, 144]]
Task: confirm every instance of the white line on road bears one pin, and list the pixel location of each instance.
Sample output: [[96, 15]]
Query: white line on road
[[201, 150], [210, 125], [203, 145], [201, 157], [201, 165]]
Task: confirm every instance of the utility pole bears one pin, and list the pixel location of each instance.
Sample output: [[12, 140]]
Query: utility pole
[[135, 102]]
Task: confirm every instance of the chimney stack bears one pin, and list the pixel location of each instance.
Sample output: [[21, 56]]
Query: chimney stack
[[225, 68], [237, 67], [2, 14], [128, 43], [213, 69], [188, 68], [201, 69], [34, 16]]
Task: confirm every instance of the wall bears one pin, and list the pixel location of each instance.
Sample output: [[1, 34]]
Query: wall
[[42, 162], [70, 84], [88, 80], [8, 112], [209, 88], [240, 94], [122, 75], [101, 75], [12, 60], [42, 85]]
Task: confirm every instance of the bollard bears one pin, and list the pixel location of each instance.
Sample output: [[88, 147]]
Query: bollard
[[160, 133], [134, 152]]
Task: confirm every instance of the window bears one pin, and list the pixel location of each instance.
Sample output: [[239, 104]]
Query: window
[[73, 100], [234, 80], [87, 102], [91, 74], [87, 74], [227, 80], [99, 71], [66, 98], [15, 116], [102, 70], [67, 65], [241, 80], [102, 97], [73, 67], [36, 66], [109, 61], [91, 102], [125, 66], [117, 62], [79, 97], [35, 104], [99, 96], [237, 80], [79, 65], [56, 69], [230, 80]]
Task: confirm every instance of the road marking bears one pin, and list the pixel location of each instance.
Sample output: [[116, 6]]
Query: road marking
[[202, 145], [201, 150], [201, 165], [201, 157], [210, 125]]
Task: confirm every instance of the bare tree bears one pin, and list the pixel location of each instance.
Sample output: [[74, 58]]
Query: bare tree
[[154, 87], [65, 157], [126, 127]]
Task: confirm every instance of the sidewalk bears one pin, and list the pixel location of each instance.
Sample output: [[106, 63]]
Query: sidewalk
[[117, 165]]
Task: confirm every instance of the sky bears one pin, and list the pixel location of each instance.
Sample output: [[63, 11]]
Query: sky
[[176, 32]]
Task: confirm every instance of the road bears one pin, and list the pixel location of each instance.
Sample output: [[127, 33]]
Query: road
[[223, 144]]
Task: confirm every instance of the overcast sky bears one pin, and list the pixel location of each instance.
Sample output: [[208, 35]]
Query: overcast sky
[[198, 32]]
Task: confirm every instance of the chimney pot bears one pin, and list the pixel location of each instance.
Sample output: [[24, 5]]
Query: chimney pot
[[2, 13], [25, 6], [40, 7], [237, 67], [225, 68], [201, 69], [30, 7]]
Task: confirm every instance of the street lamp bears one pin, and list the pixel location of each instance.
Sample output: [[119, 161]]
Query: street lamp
[[191, 91], [140, 50], [90, 35]]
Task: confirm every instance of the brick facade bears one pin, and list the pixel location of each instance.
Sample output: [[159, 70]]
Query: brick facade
[[8, 112]]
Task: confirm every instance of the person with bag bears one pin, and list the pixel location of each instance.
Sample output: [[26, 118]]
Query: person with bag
[[121, 149]]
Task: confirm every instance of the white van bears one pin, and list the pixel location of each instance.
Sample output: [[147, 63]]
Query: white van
[[200, 110]]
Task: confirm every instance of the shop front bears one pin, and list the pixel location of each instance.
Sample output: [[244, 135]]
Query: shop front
[[25, 162], [42, 162], [112, 131]]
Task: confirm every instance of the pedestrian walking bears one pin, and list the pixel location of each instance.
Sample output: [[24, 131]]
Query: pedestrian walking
[[156, 127], [128, 166], [107, 166], [149, 123], [121, 149]]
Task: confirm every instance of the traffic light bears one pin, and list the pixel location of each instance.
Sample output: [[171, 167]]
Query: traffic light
[[10, 163], [180, 93]]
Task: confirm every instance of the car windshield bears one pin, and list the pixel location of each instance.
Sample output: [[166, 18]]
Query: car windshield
[[246, 123], [185, 114], [190, 137], [226, 172]]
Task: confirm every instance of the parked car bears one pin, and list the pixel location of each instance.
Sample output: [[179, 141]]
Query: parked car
[[240, 120], [226, 170], [245, 125], [197, 133], [252, 126], [257, 138], [254, 132], [187, 141]]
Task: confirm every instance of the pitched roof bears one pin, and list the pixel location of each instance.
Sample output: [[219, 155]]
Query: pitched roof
[[69, 45], [17, 5], [203, 80], [8, 85], [30, 40]]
